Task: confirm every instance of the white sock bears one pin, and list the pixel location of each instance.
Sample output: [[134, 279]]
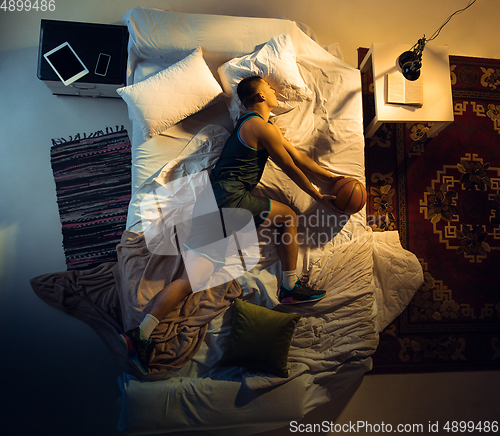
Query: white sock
[[147, 326], [288, 279]]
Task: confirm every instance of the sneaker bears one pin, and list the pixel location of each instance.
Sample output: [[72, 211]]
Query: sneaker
[[136, 349], [301, 293]]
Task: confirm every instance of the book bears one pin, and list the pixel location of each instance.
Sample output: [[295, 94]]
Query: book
[[403, 91]]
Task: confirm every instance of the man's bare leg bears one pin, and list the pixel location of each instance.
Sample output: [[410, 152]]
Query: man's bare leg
[[285, 219], [173, 293], [291, 292], [136, 341]]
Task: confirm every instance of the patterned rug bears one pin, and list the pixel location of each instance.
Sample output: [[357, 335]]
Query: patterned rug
[[92, 176], [443, 196]]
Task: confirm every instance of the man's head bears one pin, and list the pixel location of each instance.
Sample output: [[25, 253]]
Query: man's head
[[255, 89]]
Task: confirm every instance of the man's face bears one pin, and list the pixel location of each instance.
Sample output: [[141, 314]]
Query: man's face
[[269, 94]]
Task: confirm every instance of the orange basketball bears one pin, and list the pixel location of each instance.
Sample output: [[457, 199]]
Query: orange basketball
[[351, 195]]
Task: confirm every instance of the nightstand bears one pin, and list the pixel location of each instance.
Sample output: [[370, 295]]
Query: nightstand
[[437, 105], [88, 40]]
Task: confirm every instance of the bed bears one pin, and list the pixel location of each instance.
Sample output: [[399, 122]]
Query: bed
[[368, 276]]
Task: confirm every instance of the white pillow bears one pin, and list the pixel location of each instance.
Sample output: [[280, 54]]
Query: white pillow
[[276, 62], [171, 95]]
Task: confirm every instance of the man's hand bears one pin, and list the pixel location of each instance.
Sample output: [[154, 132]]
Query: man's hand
[[335, 179], [327, 201]]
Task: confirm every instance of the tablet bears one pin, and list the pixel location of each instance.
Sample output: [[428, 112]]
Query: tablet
[[66, 63]]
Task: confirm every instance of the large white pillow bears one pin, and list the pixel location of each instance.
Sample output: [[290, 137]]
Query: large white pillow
[[276, 62], [171, 95]]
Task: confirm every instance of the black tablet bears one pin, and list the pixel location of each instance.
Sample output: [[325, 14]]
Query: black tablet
[[66, 63]]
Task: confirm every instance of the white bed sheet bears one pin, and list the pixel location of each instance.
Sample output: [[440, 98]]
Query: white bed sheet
[[370, 278]]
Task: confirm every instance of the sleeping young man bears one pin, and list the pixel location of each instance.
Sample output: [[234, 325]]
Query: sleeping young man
[[237, 171]]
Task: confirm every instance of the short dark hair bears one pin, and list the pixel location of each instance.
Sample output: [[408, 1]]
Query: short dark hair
[[247, 89]]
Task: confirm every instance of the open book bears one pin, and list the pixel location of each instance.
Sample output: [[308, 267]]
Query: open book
[[402, 91]]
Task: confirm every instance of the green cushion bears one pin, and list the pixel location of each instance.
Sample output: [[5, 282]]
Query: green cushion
[[259, 339]]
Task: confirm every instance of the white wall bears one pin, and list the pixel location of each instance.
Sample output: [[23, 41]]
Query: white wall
[[57, 376]]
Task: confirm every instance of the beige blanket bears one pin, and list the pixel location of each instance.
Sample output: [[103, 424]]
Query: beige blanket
[[112, 298]]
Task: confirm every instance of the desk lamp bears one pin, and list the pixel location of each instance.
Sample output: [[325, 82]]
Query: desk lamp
[[411, 61]]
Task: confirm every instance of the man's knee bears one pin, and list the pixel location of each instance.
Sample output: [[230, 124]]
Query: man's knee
[[198, 270]]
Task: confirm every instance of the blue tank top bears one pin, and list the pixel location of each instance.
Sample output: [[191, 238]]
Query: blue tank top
[[238, 161]]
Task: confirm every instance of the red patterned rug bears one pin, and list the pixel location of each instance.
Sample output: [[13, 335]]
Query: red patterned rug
[[443, 196]]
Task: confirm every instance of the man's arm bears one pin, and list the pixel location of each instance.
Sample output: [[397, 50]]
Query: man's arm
[[308, 165], [271, 139]]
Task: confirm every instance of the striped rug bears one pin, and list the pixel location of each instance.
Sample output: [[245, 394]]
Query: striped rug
[[92, 176]]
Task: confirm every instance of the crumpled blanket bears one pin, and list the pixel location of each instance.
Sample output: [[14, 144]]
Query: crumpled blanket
[[112, 298]]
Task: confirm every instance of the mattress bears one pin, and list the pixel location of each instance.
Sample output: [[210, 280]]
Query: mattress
[[368, 276]]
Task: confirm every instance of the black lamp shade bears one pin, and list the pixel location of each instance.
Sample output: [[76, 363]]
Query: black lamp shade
[[410, 64]]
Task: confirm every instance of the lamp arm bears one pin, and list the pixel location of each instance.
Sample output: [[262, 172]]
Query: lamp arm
[[419, 47]]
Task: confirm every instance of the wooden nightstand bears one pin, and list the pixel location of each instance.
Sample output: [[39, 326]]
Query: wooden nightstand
[[435, 75], [89, 41]]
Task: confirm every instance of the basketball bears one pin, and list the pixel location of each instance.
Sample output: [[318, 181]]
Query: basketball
[[351, 195]]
